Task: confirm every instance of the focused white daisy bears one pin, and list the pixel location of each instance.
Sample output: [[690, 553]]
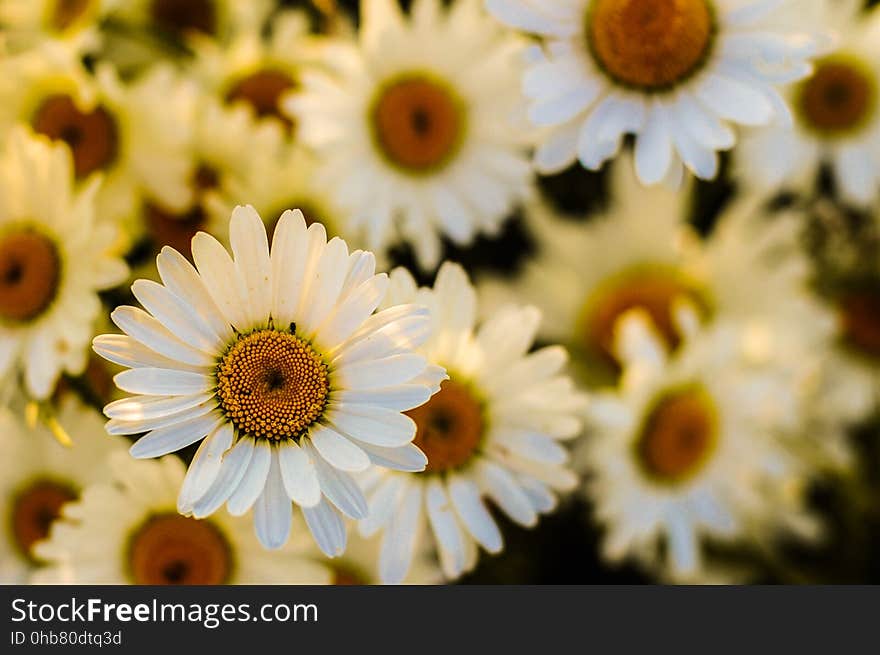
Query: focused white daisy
[[642, 253], [277, 365], [687, 451], [54, 258], [227, 149], [412, 124], [837, 117], [492, 431], [676, 73], [127, 531], [135, 134], [38, 476]]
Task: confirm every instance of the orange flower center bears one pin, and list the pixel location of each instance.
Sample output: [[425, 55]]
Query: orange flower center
[[92, 136], [650, 44], [652, 289], [449, 427], [860, 321], [170, 549], [678, 435], [177, 230], [34, 510], [839, 97], [262, 91], [182, 16], [30, 272], [272, 385], [418, 124]]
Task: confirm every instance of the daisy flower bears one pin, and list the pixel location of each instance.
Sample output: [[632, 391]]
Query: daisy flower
[[38, 476], [587, 275], [144, 541], [837, 117], [221, 172], [492, 431], [54, 258], [254, 70], [134, 134], [688, 451], [275, 363], [678, 74], [185, 18], [412, 124], [27, 22]]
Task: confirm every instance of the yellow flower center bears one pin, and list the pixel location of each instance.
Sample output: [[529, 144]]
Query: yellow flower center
[[650, 44], [263, 91], [654, 289], [92, 136], [30, 273], [838, 98], [182, 16], [449, 427], [34, 509], [272, 385], [678, 435], [860, 321], [418, 124], [169, 549]]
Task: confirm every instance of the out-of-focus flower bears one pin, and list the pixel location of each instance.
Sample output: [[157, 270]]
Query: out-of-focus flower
[[493, 430], [227, 150], [181, 19], [27, 22], [38, 476], [688, 451], [143, 540], [255, 70], [54, 258], [837, 117], [134, 134], [412, 125], [277, 365], [676, 73]]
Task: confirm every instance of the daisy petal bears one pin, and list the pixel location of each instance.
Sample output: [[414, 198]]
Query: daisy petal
[[273, 511], [299, 475], [254, 481], [174, 437], [327, 527]]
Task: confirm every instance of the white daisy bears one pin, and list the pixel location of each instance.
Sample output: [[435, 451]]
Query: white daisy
[[54, 258], [38, 476], [676, 73], [837, 117], [134, 134], [493, 430], [128, 531], [275, 363], [688, 450], [411, 124]]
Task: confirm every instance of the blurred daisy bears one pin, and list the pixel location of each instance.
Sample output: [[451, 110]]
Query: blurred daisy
[[277, 365], [837, 117], [411, 124], [38, 476], [54, 258], [144, 541], [676, 73], [184, 18], [254, 70], [26, 22], [687, 451], [134, 134], [222, 172], [493, 430], [642, 254]]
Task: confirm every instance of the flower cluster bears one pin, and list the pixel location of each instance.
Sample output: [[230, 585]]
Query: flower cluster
[[365, 290]]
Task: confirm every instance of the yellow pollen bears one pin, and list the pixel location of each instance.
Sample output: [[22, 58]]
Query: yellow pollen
[[418, 124], [449, 427], [678, 435], [34, 509], [30, 271], [272, 385], [838, 98], [92, 135], [169, 549], [650, 44]]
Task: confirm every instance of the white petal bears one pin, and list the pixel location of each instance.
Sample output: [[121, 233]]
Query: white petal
[[139, 426], [174, 437], [254, 481], [162, 382], [408, 458], [138, 408], [373, 425], [504, 490], [399, 541], [383, 503], [338, 451], [400, 398], [250, 245], [272, 511], [176, 316], [327, 527], [339, 487], [654, 147], [204, 467], [232, 469], [351, 314], [444, 524], [221, 279], [151, 333], [288, 260], [123, 350], [299, 475], [473, 513]]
